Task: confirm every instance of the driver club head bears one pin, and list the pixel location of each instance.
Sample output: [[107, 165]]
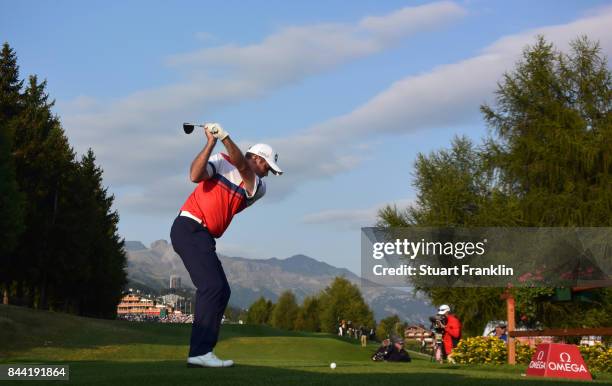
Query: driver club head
[[188, 128]]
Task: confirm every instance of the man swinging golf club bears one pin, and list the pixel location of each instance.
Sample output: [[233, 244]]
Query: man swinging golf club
[[227, 183]]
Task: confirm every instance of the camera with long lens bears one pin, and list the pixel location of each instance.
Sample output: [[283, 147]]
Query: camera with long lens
[[438, 323]]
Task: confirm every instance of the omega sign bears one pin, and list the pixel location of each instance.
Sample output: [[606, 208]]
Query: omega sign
[[558, 360]]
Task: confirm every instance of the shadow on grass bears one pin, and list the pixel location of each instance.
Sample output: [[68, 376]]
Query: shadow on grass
[[175, 372], [21, 329], [24, 328]]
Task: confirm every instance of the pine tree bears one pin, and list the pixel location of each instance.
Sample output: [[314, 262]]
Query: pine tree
[[10, 85], [44, 165], [69, 256], [553, 127], [11, 212], [105, 255], [552, 151], [548, 163], [11, 199]]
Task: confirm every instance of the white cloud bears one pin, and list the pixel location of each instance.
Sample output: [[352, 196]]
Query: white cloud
[[230, 73], [298, 51], [411, 19], [351, 218], [138, 143], [449, 95], [136, 137]]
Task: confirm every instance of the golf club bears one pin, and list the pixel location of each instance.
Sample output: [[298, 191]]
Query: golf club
[[188, 127]]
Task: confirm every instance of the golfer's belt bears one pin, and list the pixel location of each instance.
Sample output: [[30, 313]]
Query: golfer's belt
[[184, 213]]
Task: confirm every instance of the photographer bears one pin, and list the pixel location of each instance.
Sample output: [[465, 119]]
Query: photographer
[[392, 350], [452, 329]]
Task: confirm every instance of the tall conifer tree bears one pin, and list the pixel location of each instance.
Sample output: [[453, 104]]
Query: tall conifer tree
[[106, 255], [69, 257], [11, 200], [548, 162]]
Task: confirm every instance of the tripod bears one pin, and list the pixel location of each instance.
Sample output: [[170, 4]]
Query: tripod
[[437, 348]]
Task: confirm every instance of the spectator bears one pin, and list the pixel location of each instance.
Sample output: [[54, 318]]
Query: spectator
[[364, 336], [500, 332], [392, 350]]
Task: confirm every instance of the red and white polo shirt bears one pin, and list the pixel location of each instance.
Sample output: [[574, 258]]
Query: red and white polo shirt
[[217, 199]]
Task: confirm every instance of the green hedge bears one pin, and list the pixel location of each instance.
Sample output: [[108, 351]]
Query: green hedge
[[480, 349], [597, 357]]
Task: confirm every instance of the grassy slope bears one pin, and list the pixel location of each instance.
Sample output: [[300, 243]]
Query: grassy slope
[[119, 353]]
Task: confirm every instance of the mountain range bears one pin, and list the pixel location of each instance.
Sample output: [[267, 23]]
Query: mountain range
[[251, 278]]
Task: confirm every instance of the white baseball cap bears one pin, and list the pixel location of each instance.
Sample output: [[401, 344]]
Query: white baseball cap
[[443, 309], [266, 152]]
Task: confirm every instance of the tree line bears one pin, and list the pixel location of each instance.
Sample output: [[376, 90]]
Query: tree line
[[547, 162], [60, 248], [341, 300]]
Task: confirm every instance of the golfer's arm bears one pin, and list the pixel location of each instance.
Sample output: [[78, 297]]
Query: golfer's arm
[[198, 171], [240, 163]]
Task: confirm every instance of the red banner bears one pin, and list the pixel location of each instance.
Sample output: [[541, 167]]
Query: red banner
[[558, 361]]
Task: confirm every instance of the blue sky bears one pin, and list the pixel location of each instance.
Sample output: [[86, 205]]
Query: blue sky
[[347, 92]]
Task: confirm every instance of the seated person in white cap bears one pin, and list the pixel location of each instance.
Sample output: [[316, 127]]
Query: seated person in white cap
[[227, 184]]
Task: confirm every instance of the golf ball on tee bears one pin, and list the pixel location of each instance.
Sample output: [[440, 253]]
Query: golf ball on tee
[[332, 365]]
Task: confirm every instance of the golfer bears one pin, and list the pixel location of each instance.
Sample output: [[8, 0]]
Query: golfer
[[227, 183]]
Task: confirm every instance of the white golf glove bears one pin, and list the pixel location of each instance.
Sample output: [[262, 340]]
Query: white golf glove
[[216, 130]]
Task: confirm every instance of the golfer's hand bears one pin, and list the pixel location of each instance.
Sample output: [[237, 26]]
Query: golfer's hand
[[211, 138], [217, 131]]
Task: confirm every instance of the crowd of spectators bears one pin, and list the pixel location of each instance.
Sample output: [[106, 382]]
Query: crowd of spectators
[[362, 333], [138, 317], [170, 318], [177, 318]]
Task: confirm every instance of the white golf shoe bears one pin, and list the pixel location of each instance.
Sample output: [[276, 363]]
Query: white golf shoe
[[208, 360]]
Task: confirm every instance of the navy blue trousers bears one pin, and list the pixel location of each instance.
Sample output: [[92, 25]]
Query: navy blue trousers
[[196, 247]]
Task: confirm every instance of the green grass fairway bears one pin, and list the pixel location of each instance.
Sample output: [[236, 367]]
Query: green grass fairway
[[102, 352]]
